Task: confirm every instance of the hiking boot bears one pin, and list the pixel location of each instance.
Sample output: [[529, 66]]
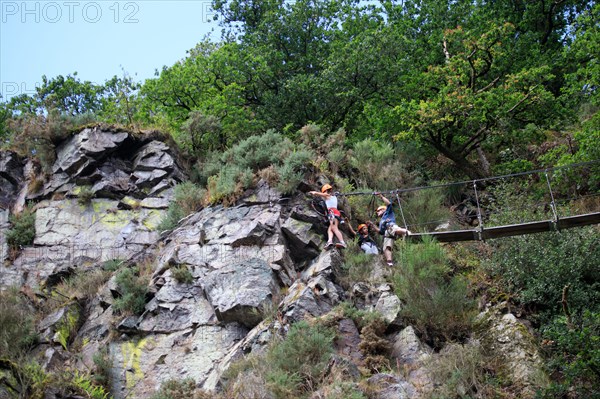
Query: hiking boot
[[328, 245], [341, 244], [390, 263]]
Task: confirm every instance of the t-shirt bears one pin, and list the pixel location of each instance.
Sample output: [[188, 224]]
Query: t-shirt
[[387, 218], [331, 202]]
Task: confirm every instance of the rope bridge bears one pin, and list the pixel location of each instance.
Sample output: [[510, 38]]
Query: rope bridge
[[563, 199]]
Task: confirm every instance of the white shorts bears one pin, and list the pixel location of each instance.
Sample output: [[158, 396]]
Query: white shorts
[[390, 235]]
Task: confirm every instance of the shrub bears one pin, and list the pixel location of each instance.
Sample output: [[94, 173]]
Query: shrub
[[22, 231], [424, 210], [293, 169], [17, 324], [182, 274], [188, 198], [357, 264], [378, 165], [463, 372], [133, 289], [181, 389], [535, 268], [103, 363], [435, 302], [298, 362], [85, 194], [228, 175], [574, 356]]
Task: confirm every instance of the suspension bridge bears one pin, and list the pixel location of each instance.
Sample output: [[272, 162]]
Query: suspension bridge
[[565, 197]]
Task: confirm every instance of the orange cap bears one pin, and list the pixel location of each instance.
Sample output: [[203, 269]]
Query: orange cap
[[360, 226], [381, 208], [325, 188]]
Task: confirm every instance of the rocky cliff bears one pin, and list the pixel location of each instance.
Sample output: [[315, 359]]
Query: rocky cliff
[[252, 270]]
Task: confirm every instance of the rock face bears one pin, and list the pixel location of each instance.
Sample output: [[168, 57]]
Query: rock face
[[505, 335], [223, 284], [11, 177]]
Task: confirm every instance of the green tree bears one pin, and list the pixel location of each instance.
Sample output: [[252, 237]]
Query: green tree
[[68, 95], [120, 102], [471, 97]]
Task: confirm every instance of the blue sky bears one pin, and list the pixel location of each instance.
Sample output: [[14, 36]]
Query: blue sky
[[97, 39]]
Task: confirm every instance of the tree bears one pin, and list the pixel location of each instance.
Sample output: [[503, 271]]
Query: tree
[[120, 102], [67, 94], [472, 97]]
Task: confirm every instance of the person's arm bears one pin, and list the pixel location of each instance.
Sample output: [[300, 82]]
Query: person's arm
[[373, 226], [318, 194], [385, 200], [350, 229]]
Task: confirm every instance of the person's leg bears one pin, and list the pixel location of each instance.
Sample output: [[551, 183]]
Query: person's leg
[[399, 231], [387, 250], [338, 233]]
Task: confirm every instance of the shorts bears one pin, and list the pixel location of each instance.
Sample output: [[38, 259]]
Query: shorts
[[333, 213], [390, 235]]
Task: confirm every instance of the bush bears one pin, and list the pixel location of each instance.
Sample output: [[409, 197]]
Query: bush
[[22, 231], [357, 264], [133, 289], [17, 324], [85, 194], [298, 363], [424, 210], [227, 175], [463, 372], [188, 198], [435, 302], [534, 269], [574, 356], [182, 274], [378, 165]]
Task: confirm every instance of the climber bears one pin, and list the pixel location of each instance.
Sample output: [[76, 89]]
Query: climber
[[365, 242], [388, 228], [333, 215]]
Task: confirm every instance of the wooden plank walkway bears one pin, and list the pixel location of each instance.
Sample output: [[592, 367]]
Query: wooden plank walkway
[[511, 230]]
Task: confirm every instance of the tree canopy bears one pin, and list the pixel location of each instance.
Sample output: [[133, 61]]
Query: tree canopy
[[460, 78]]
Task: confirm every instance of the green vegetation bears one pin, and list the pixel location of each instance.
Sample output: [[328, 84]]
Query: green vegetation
[[371, 97], [22, 231], [182, 274], [437, 302], [188, 198], [17, 324], [133, 289]]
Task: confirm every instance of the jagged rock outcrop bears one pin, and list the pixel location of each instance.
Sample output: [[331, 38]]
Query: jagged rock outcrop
[[251, 271], [11, 176]]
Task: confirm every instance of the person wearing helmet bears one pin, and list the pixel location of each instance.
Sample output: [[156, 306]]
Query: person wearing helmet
[[365, 242], [333, 214], [388, 228]]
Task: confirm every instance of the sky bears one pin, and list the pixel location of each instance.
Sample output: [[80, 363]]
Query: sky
[[97, 39]]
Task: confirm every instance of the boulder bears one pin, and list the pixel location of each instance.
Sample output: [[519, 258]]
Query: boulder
[[240, 290]]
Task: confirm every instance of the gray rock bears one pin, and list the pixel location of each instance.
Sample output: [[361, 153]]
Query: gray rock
[[314, 298], [152, 156], [304, 243], [503, 334], [386, 386], [11, 177], [85, 149], [141, 365], [238, 291], [389, 306], [409, 350]]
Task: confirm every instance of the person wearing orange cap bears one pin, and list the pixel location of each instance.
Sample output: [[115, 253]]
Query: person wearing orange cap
[[388, 228], [333, 214], [365, 242]]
